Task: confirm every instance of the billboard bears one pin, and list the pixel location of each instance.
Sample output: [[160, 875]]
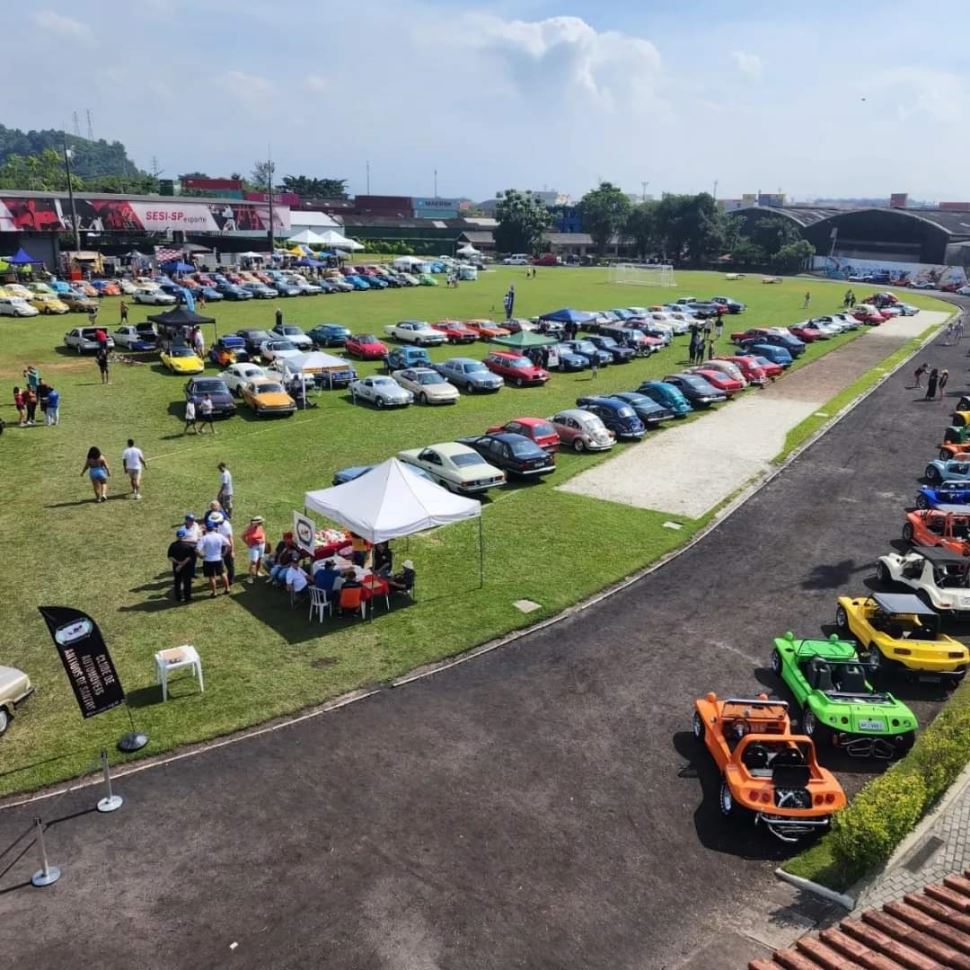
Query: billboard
[[164, 214], [427, 207]]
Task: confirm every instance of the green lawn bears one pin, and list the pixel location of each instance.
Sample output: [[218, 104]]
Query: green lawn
[[261, 658]]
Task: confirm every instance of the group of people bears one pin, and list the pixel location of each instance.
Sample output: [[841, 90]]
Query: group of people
[[36, 392], [954, 331], [98, 470], [936, 380], [212, 541]]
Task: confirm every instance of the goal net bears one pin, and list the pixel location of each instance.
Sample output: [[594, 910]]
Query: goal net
[[644, 274]]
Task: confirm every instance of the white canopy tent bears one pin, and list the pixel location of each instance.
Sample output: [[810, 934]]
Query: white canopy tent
[[388, 502], [335, 240], [468, 250], [406, 262], [312, 363], [308, 238]]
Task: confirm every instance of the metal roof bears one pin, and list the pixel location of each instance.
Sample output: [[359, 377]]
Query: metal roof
[[902, 603], [952, 222]]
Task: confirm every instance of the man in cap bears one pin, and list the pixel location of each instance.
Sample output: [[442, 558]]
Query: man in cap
[[211, 549], [403, 582], [181, 554], [193, 531], [255, 538], [221, 524]]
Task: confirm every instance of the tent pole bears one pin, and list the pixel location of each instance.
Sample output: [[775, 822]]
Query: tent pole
[[481, 554]]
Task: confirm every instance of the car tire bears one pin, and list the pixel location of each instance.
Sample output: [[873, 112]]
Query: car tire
[[883, 575], [877, 665], [698, 728], [776, 663], [579, 445], [422, 398], [4, 719], [842, 619], [907, 532], [922, 502], [819, 733], [725, 801], [933, 475], [519, 382], [944, 455], [379, 401]]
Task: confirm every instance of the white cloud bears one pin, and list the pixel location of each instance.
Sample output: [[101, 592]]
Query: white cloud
[[57, 23], [918, 94], [315, 83], [245, 85], [748, 64]]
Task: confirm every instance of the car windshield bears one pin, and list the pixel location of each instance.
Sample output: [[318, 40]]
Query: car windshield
[[624, 412], [584, 347], [383, 382], [464, 461], [475, 368], [208, 387], [292, 331], [543, 429], [430, 378], [180, 350], [367, 338], [281, 345], [270, 388], [515, 362], [607, 342]]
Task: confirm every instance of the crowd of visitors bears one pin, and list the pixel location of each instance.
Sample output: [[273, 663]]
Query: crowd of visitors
[[36, 392]]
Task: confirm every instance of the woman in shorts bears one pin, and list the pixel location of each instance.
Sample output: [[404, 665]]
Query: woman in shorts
[[98, 471], [255, 538]]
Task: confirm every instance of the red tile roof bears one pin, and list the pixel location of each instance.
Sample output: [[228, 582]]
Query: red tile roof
[[929, 930]]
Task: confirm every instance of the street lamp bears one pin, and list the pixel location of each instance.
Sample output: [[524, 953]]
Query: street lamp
[[70, 195]]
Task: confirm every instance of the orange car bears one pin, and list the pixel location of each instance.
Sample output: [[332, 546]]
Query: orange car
[[954, 449], [947, 527], [487, 329], [765, 769]]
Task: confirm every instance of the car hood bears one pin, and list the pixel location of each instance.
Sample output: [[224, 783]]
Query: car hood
[[273, 398], [219, 397]]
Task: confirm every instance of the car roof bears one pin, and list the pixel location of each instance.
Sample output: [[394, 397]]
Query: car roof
[[462, 360], [938, 554], [449, 448], [952, 510], [902, 603], [577, 413], [605, 400]]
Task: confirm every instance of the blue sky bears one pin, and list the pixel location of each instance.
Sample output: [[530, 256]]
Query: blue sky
[[819, 99]]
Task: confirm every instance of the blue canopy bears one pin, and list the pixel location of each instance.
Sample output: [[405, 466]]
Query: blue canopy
[[306, 261], [569, 315], [22, 258], [178, 267]]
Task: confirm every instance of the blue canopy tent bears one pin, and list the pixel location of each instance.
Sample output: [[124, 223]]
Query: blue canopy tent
[[568, 315], [178, 267], [313, 263], [23, 258]]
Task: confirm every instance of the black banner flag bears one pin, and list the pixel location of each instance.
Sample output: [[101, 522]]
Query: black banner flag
[[86, 659]]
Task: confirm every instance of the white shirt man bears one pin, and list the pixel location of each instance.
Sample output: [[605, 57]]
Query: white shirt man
[[134, 461], [225, 489], [212, 547]]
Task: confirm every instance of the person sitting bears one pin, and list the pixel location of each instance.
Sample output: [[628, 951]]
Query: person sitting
[[327, 578], [296, 579], [383, 559], [350, 579], [285, 557], [361, 549], [403, 582]]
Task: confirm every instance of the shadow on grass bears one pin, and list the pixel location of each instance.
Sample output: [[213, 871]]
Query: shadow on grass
[[153, 605]]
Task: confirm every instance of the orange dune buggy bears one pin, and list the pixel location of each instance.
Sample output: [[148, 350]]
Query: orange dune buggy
[[765, 769], [946, 526]]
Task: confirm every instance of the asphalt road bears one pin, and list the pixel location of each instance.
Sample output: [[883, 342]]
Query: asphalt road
[[541, 807]]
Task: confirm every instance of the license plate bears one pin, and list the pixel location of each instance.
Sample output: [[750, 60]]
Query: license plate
[[872, 725]]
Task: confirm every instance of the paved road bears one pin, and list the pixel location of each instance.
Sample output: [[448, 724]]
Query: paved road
[[541, 807]]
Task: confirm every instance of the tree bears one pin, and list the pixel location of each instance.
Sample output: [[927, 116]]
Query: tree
[[793, 256], [90, 157], [690, 226], [43, 172], [605, 211], [315, 188], [771, 233], [641, 227], [262, 177], [522, 219]]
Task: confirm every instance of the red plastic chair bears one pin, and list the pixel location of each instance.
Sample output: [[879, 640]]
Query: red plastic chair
[[352, 599]]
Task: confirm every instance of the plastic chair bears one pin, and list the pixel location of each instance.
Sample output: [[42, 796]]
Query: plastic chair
[[352, 599], [176, 659], [319, 601]]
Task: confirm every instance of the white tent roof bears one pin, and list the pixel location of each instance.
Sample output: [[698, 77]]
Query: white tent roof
[[405, 261], [299, 219], [387, 503], [468, 250], [307, 236], [333, 238], [313, 360]]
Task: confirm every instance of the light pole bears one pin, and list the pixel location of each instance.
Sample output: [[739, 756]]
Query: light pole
[[270, 169], [70, 195], [643, 197]]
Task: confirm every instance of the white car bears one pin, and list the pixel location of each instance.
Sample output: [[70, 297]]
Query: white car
[[155, 297], [427, 385], [235, 375], [383, 392], [127, 287], [456, 467], [295, 335], [136, 336], [821, 330], [278, 349], [417, 332], [84, 339], [938, 575], [16, 306], [515, 261], [305, 287]]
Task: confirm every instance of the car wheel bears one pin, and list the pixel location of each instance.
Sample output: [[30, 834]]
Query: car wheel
[[579, 444], [882, 574], [933, 475], [422, 398], [519, 382], [697, 727], [944, 454], [842, 619], [726, 801], [379, 402], [907, 532], [810, 724], [4, 720], [876, 663], [922, 502], [776, 663]]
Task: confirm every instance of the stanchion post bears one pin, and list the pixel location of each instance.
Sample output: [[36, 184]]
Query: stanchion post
[[110, 802], [47, 874]]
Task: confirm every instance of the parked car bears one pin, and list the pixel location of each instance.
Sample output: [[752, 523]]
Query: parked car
[[418, 332], [697, 390], [717, 378], [266, 396], [427, 385], [563, 358], [456, 332], [15, 688], [182, 359], [733, 306], [84, 340], [223, 405], [354, 472], [618, 416], [514, 454], [606, 344], [77, 303], [515, 368], [646, 408], [228, 349], [365, 346], [726, 366], [809, 331], [945, 526], [16, 306], [328, 335], [938, 576], [254, 339], [261, 291], [278, 348], [406, 356], [538, 430], [668, 396], [295, 335], [136, 336], [469, 375], [759, 336], [153, 297], [232, 292], [456, 467], [770, 352], [950, 470], [749, 368], [381, 391], [211, 294], [582, 431], [47, 303], [237, 375], [487, 329], [945, 493]]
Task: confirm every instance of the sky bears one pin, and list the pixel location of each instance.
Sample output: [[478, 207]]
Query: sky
[[821, 99]]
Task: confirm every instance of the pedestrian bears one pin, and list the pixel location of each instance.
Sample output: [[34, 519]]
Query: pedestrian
[[200, 299], [205, 413], [851, 298], [255, 538], [944, 377], [134, 462], [846, 298], [52, 415], [198, 342], [918, 374], [18, 403], [710, 349], [719, 327], [279, 318], [30, 403], [123, 307], [93, 317], [190, 418], [102, 360], [931, 383], [216, 518], [32, 376], [181, 554], [593, 366], [98, 471], [210, 550], [807, 300], [225, 488]]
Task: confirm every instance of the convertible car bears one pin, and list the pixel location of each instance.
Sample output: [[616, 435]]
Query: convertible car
[[946, 493], [939, 576], [182, 359], [946, 526]]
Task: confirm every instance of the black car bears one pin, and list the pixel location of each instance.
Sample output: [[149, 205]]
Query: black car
[[789, 341], [699, 392], [621, 355], [732, 305], [704, 309], [647, 409], [515, 454], [223, 405], [254, 339], [618, 416]]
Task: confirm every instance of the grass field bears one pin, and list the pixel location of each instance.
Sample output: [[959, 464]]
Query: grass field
[[261, 658]]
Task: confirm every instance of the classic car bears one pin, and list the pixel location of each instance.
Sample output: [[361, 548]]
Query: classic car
[[86, 289], [223, 405], [237, 375], [667, 396], [295, 335], [77, 303], [938, 575], [538, 430], [418, 332], [582, 430], [733, 306], [767, 772], [487, 329], [839, 705], [697, 390], [406, 356], [647, 409], [456, 332], [47, 303], [771, 352], [254, 339], [727, 366], [456, 467], [278, 348], [748, 367], [515, 368], [267, 396], [811, 330], [869, 315], [182, 359], [586, 348], [620, 354], [365, 346], [228, 349], [357, 282], [946, 493], [757, 336], [951, 470], [231, 291], [718, 379], [354, 472], [468, 374], [381, 391], [618, 416], [136, 336], [15, 688], [515, 454], [84, 340], [563, 358], [211, 294], [898, 632], [946, 526], [304, 286], [153, 296], [519, 325], [284, 287], [427, 385], [328, 335], [16, 306]]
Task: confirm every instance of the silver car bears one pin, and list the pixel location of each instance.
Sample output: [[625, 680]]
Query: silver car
[[469, 374], [381, 391], [427, 385]]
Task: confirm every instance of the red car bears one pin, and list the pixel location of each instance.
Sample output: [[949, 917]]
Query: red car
[[805, 335], [753, 372], [771, 369], [456, 331], [365, 346], [515, 368], [538, 430], [869, 314], [719, 379]]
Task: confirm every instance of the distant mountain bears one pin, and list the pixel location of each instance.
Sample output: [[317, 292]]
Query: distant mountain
[[91, 158]]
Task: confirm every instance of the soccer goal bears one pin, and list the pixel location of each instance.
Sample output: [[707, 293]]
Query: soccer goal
[[644, 274]]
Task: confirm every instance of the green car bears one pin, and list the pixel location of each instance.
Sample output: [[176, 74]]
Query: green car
[[840, 706], [426, 279]]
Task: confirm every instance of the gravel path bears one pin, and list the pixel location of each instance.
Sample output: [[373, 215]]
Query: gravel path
[[688, 469]]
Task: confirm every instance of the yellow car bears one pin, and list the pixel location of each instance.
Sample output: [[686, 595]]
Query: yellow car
[[182, 359], [16, 289], [46, 304], [898, 631], [266, 396]]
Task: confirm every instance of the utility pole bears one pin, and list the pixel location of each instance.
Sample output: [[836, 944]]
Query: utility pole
[[77, 126], [643, 197], [368, 177], [436, 183], [90, 126], [270, 169], [70, 194]]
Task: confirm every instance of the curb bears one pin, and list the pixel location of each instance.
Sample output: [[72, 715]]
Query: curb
[[429, 670], [816, 889]]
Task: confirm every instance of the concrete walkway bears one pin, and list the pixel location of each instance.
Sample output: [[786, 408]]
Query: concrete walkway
[[688, 469]]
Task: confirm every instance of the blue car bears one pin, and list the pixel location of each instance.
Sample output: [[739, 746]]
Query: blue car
[[954, 470], [357, 282], [616, 414], [232, 292], [696, 389], [261, 291], [647, 409], [355, 471], [229, 342], [329, 335], [788, 341], [667, 396], [588, 350], [946, 493], [621, 355], [402, 357], [774, 353], [211, 294], [568, 359]]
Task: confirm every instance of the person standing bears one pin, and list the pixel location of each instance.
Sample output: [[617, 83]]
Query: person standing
[[123, 307], [102, 359], [279, 317], [134, 462], [181, 554], [190, 418], [931, 383], [30, 403], [18, 403], [719, 326], [225, 489], [224, 528], [198, 342], [944, 377], [205, 413], [53, 413], [255, 538], [807, 300], [93, 317], [593, 366], [98, 471], [211, 548], [918, 374]]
